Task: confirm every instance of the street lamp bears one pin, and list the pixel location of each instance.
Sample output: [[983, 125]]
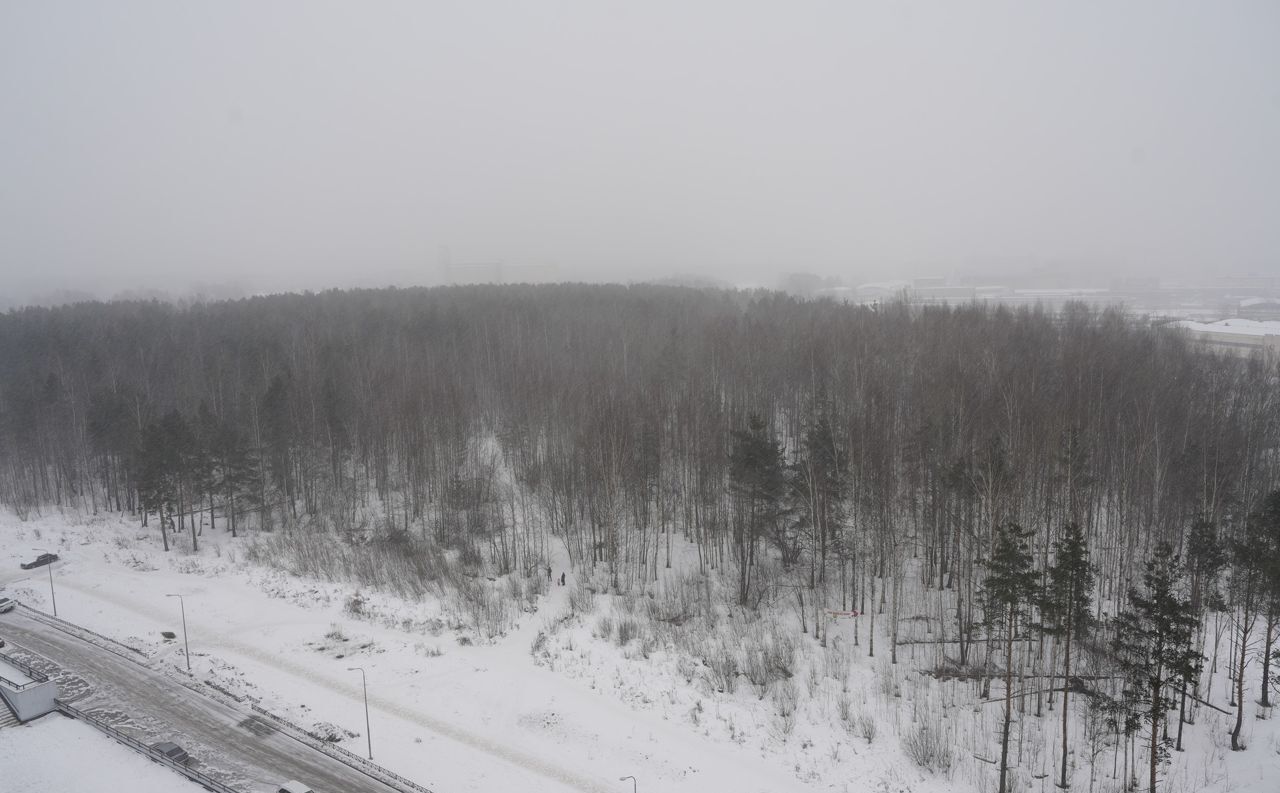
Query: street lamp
[[182, 604], [633, 782], [52, 595], [364, 683]]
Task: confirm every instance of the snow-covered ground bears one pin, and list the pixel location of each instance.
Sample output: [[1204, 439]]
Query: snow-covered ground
[[560, 703], [451, 716], [34, 757], [13, 674]]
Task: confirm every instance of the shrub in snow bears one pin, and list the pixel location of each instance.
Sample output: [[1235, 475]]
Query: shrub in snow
[[604, 627], [628, 629], [355, 605], [331, 732], [480, 606], [721, 667], [539, 646], [866, 727], [929, 748], [677, 601], [581, 599], [768, 656], [785, 698]]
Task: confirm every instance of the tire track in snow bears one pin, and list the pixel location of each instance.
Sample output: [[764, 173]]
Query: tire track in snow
[[447, 729]]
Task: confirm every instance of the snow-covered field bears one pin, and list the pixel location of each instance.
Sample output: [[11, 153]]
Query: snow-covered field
[[562, 702], [34, 757]]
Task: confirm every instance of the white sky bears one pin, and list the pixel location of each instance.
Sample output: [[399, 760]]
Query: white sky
[[308, 144]]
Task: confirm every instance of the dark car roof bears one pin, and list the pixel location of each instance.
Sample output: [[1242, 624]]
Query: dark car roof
[[168, 748]]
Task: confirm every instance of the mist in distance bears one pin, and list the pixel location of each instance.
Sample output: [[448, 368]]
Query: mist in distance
[[242, 147]]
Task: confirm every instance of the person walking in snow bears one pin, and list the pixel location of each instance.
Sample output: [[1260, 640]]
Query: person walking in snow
[[562, 579]]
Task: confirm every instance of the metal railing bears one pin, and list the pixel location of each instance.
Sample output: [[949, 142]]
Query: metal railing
[[298, 733], [133, 743], [36, 676], [367, 767], [12, 686], [110, 645]]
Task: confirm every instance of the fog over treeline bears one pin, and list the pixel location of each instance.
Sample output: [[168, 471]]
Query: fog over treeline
[[290, 145], [617, 407]]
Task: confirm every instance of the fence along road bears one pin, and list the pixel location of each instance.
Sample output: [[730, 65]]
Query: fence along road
[[227, 744]]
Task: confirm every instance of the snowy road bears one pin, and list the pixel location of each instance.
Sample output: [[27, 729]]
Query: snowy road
[[453, 716], [248, 754]]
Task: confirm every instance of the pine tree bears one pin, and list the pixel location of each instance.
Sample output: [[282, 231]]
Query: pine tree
[[818, 480], [157, 469], [757, 484], [1010, 586], [1067, 608], [1153, 645], [1267, 557]]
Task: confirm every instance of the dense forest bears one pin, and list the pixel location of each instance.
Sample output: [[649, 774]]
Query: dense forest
[[1080, 477]]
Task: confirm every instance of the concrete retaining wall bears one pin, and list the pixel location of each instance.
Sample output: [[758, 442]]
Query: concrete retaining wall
[[33, 700]]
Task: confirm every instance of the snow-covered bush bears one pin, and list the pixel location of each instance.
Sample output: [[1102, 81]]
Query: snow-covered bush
[[929, 748], [581, 599]]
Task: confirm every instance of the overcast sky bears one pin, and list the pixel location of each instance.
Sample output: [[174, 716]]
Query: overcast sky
[[306, 144]]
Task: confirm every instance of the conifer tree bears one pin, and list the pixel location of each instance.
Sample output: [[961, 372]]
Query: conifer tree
[[756, 482], [1267, 557], [1152, 643], [157, 468], [1008, 590], [1067, 608]]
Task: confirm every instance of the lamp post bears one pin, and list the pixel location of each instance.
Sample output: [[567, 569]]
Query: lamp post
[[52, 595], [364, 683], [182, 604], [633, 782]]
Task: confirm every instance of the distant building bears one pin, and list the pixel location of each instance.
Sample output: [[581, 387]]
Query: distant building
[[883, 290], [1259, 308], [944, 294], [931, 282], [1239, 336], [1252, 283]]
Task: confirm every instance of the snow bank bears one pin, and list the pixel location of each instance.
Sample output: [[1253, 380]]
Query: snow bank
[[55, 753]]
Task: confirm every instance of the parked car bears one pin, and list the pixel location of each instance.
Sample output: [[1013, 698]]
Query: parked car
[[294, 786], [172, 751], [7, 604], [42, 559]]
